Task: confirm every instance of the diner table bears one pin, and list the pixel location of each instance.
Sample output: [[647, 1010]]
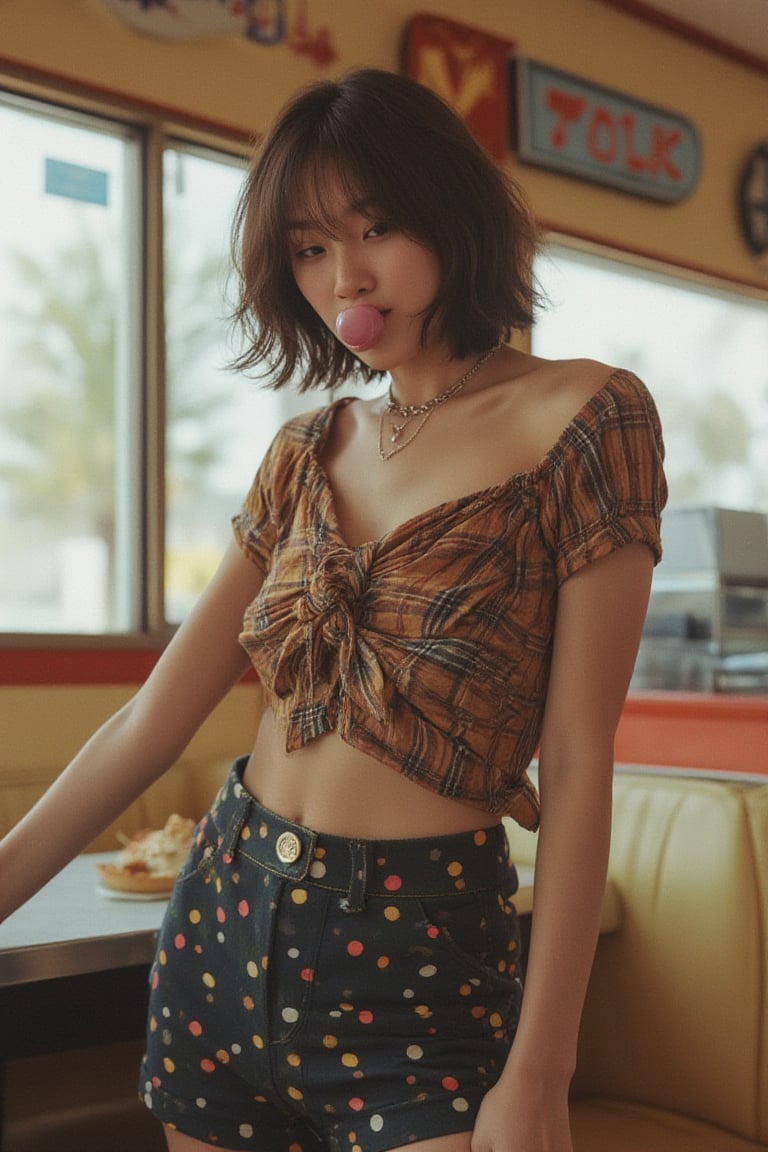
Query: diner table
[[72, 927]]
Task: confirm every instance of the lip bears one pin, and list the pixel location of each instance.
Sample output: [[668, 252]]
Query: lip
[[382, 311]]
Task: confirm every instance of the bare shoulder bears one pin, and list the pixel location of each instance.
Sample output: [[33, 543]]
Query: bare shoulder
[[546, 395], [566, 384]]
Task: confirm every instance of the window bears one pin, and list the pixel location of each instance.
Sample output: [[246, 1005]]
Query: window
[[70, 248], [702, 351], [119, 469], [218, 424]]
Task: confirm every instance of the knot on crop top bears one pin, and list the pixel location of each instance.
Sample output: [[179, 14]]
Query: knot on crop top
[[327, 645], [332, 599]]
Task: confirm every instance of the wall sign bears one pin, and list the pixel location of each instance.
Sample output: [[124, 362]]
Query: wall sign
[[261, 21], [468, 69], [570, 125], [75, 182], [753, 200]]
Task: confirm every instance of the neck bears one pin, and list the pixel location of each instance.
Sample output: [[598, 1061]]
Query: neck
[[427, 377], [406, 420]]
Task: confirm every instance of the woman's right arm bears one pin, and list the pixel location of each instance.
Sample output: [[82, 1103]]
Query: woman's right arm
[[140, 742]]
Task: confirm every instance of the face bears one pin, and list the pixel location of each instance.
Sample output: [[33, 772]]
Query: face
[[366, 261]]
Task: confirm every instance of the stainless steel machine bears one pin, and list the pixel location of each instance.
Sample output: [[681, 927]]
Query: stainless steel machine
[[707, 624]]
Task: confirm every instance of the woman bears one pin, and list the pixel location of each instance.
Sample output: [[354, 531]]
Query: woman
[[430, 584]]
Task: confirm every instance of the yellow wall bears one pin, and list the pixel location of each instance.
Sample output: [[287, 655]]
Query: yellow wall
[[237, 83]]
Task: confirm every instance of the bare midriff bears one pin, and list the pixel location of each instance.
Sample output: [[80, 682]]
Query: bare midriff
[[330, 787]]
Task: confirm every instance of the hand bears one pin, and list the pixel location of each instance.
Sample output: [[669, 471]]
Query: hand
[[521, 1116]]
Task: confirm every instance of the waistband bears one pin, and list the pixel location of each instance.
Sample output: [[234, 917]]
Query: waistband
[[412, 867]]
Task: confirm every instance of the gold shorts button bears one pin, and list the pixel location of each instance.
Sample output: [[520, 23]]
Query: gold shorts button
[[288, 848]]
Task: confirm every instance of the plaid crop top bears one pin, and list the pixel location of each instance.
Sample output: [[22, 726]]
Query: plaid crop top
[[429, 649]]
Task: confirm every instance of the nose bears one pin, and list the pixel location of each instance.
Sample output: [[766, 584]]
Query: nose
[[353, 275]]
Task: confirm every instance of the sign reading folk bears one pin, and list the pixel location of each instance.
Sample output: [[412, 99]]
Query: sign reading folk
[[594, 133]]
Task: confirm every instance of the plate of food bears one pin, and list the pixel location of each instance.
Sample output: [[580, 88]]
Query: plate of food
[[147, 865]]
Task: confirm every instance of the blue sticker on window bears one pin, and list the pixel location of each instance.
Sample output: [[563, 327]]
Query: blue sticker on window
[[76, 182]]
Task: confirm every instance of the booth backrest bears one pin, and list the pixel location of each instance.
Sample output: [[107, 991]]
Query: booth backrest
[[677, 1012]]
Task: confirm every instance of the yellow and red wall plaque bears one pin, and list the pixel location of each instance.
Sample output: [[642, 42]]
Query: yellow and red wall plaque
[[468, 69]]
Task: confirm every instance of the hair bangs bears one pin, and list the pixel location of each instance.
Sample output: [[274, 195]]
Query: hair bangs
[[321, 180]]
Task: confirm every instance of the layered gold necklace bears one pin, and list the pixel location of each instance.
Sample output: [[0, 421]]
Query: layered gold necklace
[[401, 415]]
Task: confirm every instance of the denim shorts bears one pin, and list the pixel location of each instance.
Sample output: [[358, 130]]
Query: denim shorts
[[312, 992]]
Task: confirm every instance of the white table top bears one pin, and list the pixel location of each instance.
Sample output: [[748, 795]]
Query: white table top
[[70, 927]]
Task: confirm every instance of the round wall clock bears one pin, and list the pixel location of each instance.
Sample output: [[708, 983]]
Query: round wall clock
[[753, 200]]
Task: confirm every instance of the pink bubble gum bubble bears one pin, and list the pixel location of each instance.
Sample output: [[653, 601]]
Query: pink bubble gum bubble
[[360, 327]]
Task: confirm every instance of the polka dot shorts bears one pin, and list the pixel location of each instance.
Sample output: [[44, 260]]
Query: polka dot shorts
[[311, 992]]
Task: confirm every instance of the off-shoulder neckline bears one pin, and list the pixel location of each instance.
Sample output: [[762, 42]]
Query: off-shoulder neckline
[[320, 422]]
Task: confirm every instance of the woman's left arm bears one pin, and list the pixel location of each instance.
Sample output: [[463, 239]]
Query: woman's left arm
[[600, 616]]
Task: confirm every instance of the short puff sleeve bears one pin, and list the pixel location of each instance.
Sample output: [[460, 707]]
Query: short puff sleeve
[[607, 486], [255, 525]]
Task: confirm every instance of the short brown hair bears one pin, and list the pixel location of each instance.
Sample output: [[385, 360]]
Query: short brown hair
[[391, 141]]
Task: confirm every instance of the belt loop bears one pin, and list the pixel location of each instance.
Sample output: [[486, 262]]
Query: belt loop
[[354, 901], [236, 825]]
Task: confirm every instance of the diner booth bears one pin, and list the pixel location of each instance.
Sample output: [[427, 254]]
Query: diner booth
[[642, 142]]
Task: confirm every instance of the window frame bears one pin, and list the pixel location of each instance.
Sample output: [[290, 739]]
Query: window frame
[[128, 656]]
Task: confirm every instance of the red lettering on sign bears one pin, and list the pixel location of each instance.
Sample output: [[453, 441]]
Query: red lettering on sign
[[565, 124], [634, 162], [612, 139], [602, 136], [662, 142], [569, 110]]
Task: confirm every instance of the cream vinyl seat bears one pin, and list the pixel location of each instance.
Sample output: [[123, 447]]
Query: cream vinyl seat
[[673, 1054]]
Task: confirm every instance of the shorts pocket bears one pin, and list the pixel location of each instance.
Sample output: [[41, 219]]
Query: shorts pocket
[[203, 851], [481, 931]]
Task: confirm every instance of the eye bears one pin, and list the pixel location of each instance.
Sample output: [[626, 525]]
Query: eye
[[380, 228], [307, 252]]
